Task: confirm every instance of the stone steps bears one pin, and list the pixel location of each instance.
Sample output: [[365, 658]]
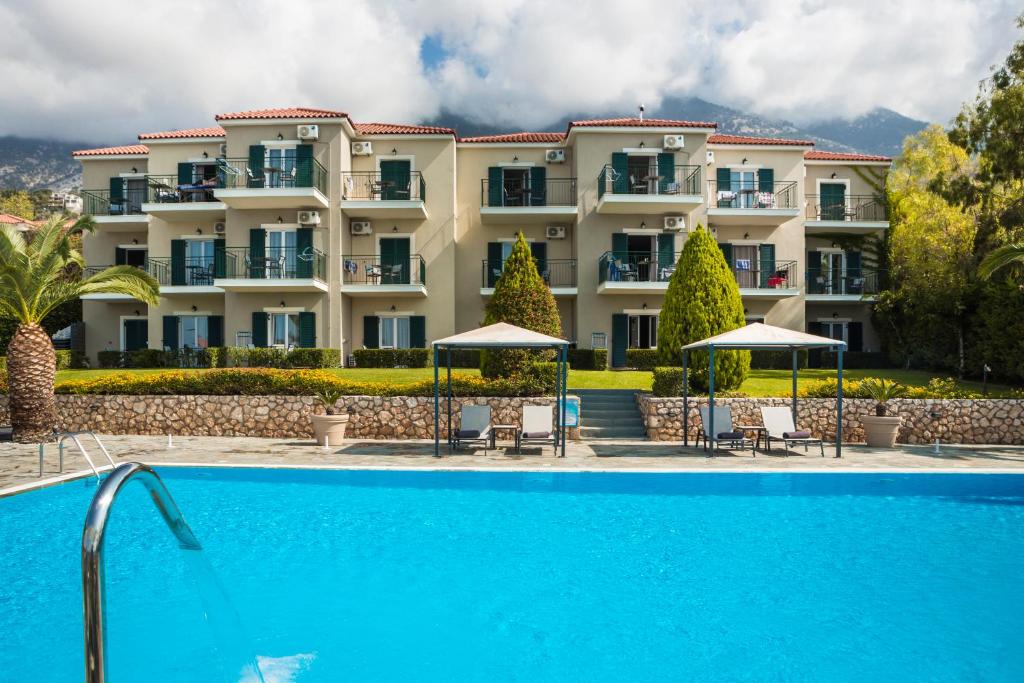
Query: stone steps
[[610, 414]]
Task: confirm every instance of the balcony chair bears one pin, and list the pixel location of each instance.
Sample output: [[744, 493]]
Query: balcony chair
[[672, 188], [637, 185]]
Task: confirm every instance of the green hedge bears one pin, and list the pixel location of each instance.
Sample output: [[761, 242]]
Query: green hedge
[[394, 358], [158, 358], [314, 358], [855, 360], [65, 360], [937, 388], [642, 359], [668, 382], [588, 359], [777, 360]]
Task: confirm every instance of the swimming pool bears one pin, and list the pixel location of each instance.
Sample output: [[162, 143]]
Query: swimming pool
[[520, 576]]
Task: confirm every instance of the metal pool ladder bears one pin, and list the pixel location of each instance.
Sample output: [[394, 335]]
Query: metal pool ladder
[[62, 436], [92, 552]]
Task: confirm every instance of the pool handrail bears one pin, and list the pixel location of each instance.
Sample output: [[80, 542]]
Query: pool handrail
[[92, 552], [74, 437]]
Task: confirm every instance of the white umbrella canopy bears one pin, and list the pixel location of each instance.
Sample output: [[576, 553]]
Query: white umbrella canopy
[[758, 336], [500, 335]]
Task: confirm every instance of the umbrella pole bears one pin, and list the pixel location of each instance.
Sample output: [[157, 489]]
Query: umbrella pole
[[449, 364], [795, 423], [437, 408], [709, 429], [564, 370], [686, 401], [839, 403]]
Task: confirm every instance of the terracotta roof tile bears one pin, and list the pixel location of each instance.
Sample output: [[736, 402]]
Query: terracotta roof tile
[[11, 219], [111, 151], [285, 113], [400, 129], [211, 132], [749, 140], [644, 123], [517, 137], [816, 155]]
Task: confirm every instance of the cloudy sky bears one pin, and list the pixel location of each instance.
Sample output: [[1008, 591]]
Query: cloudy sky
[[99, 70]]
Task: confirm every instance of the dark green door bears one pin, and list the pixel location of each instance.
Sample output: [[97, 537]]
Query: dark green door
[[136, 335], [394, 260], [833, 201], [394, 179], [620, 339]]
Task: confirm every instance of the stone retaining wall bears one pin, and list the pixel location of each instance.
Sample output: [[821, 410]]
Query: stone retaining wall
[[968, 421], [373, 417]]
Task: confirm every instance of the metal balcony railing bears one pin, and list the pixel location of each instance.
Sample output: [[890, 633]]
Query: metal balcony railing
[[192, 271], [98, 203], [274, 263], [635, 266], [555, 272], [374, 270], [859, 281], [753, 195], [848, 208], [518, 193], [371, 186], [165, 189], [684, 180], [286, 173], [781, 275]]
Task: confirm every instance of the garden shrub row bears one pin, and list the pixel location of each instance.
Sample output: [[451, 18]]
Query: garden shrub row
[[937, 388], [588, 359], [777, 360], [854, 360], [218, 357], [65, 360], [642, 359], [394, 358]]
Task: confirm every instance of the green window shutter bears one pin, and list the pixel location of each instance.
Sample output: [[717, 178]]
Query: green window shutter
[[495, 188], [832, 201], [371, 332], [120, 256], [766, 180], [256, 156], [620, 246], [307, 330], [723, 181], [666, 252], [116, 190], [620, 339], [666, 169], [494, 262], [417, 332], [170, 340], [304, 252], [766, 255], [396, 175], [215, 330], [538, 186], [539, 251], [855, 337], [177, 262], [260, 322], [814, 273], [220, 258], [620, 165], [304, 166], [853, 264], [257, 253], [185, 173], [726, 252]]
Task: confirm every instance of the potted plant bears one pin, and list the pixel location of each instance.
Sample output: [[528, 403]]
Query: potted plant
[[881, 429], [329, 428]]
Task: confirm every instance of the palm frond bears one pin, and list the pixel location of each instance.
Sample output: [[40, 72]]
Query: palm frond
[[997, 259], [123, 280]]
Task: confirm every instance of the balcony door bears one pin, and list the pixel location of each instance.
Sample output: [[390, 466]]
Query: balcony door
[[515, 186], [395, 261], [832, 201], [833, 271], [745, 265], [281, 253], [279, 167], [742, 184], [134, 334], [395, 179], [199, 262]]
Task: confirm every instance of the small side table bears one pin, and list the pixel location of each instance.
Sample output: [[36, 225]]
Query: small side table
[[506, 428], [760, 430]]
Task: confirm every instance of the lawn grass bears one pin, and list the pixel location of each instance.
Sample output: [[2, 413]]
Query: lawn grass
[[759, 382]]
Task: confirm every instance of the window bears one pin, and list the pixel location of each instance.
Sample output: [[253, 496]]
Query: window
[[284, 330], [279, 167], [742, 183], [281, 253], [643, 331], [193, 332], [394, 332]]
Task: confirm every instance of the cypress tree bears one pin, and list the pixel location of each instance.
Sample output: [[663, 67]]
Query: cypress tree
[[520, 298], [703, 299]]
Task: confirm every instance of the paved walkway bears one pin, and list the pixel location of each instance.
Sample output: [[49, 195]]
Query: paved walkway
[[19, 464]]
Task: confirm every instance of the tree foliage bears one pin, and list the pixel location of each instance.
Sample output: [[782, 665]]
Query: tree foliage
[[18, 203], [703, 299]]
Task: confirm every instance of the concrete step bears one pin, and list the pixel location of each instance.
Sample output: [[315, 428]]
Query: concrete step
[[627, 422], [616, 411], [613, 433]]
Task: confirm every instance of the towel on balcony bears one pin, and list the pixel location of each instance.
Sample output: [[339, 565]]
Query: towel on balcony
[[536, 435], [742, 264], [351, 267], [798, 434], [730, 436], [726, 195], [766, 200], [468, 433]]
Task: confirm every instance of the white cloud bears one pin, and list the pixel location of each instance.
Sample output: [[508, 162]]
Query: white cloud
[[103, 70]]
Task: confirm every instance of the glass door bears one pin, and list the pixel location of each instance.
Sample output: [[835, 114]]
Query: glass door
[[194, 332], [199, 262], [395, 261], [833, 265], [284, 330], [279, 167], [745, 265], [742, 183], [281, 256]]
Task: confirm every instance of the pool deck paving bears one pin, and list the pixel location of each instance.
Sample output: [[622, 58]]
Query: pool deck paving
[[19, 464]]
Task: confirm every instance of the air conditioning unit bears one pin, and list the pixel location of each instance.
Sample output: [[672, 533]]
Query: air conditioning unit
[[309, 218], [711, 157], [309, 132], [556, 232], [219, 227], [362, 149], [555, 156], [672, 142], [223, 150], [675, 222], [361, 228]]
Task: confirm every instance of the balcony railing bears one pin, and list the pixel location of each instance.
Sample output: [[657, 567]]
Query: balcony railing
[[274, 263], [193, 271], [858, 282], [286, 173], [374, 270], [848, 208], [635, 266], [97, 203], [684, 180], [514, 193], [555, 272], [370, 186], [782, 275], [753, 195], [165, 189]]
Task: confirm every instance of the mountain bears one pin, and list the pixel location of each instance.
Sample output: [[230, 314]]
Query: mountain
[[39, 163], [880, 131]]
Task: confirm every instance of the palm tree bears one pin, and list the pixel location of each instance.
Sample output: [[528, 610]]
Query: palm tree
[[37, 275], [1000, 258]]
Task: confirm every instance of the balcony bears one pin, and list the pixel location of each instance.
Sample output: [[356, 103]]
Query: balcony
[[122, 214], [373, 276], [751, 204], [190, 275], [515, 201], [632, 193], [848, 213], [110, 297], [287, 183], [270, 269], [368, 195], [558, 274], [862, 284], [758, 282], [169, 199], [634, 272]]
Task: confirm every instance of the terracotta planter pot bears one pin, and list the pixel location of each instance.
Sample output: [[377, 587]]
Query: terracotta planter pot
[[881, 432], [330, 426]]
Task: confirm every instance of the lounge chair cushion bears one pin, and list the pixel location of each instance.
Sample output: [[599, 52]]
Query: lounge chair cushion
[[468, 433], [798, 434], [730, 435], [536, 435]]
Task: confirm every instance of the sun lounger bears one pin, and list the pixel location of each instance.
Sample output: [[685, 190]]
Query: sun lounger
[[778, 424], [723, 431], [539, 426], [474, 427]]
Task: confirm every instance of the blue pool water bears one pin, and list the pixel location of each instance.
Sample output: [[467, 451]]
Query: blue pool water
[[434, 576]]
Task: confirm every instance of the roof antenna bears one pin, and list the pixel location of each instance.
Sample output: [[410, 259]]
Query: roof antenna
[[641, 112]]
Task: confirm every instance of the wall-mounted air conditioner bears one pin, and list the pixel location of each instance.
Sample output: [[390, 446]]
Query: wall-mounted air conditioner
[[711, 157], [361, 228], [308, 132], [362, 149], [219, 227], [309, 218], [675, 222], [556, 232], [672, 142], [555, 156]]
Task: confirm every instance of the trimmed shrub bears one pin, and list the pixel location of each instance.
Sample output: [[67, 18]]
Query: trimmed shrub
[[667, 382], [110, 359], [855, 360], [462, 358], [216, 357], [394, 358], [588, 359], [543, 376], [150, 358], [314, 358], [777, 360], [3, 363], [642, 359]]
